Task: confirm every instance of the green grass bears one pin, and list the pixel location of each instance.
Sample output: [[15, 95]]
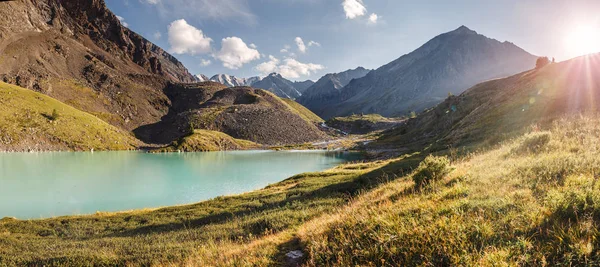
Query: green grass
[[508, 206], [264, 221], [205, 140], [373, 118], [33, 120], [533, 200]]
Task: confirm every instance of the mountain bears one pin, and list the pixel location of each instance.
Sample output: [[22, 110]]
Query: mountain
[[327, 90], [447, 64], [232, 81], [240, 112], [302, 86], [278, 85], [202, 78], [497, 109], [78, 52]]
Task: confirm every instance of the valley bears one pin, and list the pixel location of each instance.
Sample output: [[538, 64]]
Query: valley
[[466, 151]]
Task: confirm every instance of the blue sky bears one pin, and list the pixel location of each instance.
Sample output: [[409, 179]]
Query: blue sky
[[253, 37]]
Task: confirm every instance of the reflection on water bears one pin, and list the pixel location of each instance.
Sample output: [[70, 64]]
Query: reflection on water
[[39, 185]]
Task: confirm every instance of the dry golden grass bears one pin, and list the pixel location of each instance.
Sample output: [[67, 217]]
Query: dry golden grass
[[525, 202]]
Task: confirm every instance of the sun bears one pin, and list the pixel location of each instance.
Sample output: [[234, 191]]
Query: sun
[[583, 40]]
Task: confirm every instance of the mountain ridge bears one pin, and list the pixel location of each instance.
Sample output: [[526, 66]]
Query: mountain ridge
[[447, 64], [325, 91]]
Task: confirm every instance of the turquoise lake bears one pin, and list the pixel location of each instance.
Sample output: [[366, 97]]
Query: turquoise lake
[[42, 185]]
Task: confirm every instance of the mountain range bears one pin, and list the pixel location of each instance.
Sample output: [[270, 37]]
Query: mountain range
[[447, 64], [274, 83], [327, 90]]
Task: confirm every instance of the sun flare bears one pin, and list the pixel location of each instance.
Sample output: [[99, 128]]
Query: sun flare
[[583, 40]]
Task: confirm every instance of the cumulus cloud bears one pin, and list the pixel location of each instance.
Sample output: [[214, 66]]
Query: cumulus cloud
[[289, 68], [235, 53], [268, 66], [187, 39], [300, 44], [205, 62], [253, 46], [354, 8], [122, 20], [373, 18]]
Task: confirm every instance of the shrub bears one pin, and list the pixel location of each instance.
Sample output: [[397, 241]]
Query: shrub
[[53, 116], [431, 169], [533, 143], [542, 62]]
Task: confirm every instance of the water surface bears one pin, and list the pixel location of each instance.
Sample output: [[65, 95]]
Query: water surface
[[41, 185]]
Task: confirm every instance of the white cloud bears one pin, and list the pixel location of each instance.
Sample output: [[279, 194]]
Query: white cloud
[[205, 62], [253, 46], [285, 49], [313, 43], [289, 68], [235, 53], [157, 35], [185, 38], [122, 20], [373, 18], [268, 66], [300, 44], [354, 8]]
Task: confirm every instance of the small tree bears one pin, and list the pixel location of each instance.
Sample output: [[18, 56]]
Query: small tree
[[431, 169], [54, 116], [542, 62]]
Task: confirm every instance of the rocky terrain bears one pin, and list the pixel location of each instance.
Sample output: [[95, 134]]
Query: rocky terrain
[[447, 64], [327, 90], [241, 112], [79, 53]]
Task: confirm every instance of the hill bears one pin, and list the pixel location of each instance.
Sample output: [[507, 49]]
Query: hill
[[30, 121], [327, 90], [494, 110], [79, 53], [363, 124], [447, 64], [241, 112]]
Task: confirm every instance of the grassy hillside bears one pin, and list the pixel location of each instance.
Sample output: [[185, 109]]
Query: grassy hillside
[[503, 108], [532, 201], [363, 124], [305, 113], [32, 121], [204, 140]]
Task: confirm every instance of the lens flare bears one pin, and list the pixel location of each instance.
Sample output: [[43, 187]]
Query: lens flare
[[583, 40]]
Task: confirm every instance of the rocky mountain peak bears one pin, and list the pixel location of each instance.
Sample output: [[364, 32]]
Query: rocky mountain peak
[[463, 30]]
